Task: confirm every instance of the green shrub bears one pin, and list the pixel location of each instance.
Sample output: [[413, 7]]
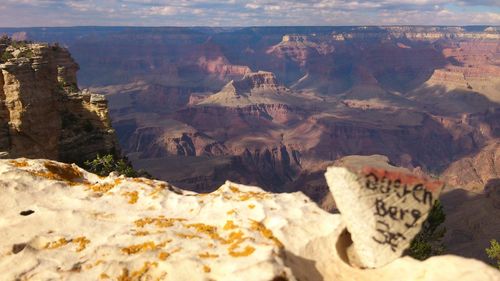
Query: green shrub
[[428, 241], [493, 252], [103, 165], [6, 56]]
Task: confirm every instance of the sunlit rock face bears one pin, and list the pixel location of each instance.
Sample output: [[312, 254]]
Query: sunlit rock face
[[61, 222], [43, 114]]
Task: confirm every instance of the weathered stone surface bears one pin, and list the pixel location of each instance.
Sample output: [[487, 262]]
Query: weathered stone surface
[[60, 222], [382, 206], [43, 114]]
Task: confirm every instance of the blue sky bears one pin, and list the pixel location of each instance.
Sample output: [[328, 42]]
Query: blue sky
[[17, 13]]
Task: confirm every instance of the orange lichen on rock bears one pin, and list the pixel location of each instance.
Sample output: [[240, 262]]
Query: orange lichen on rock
[[19, 163], [207, 255], [209, 230], [133, 196], [251, 206], [267, 233], [160, 221], [146, 246], [61, 172], [253, 195], [231, 212], [163, 256], [82, 243], [246, 252], [229, 225], [187, 235], [104, 187], [138, 274], [141, 233], [207, 269], [57, 244]]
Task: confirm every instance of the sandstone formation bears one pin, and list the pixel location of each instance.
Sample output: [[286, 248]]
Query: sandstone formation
[[42, 111], [382, 206], [61, 222]]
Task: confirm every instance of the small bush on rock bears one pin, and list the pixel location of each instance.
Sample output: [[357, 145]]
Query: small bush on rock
[[103, 165], [493, 252], [428, 241]]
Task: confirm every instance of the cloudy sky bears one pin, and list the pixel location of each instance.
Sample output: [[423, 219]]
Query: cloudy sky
[[16, 13]]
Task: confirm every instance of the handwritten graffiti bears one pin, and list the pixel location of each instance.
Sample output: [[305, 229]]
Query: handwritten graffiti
[[384, 185], [409, 216], [387, 236], [398, 206]]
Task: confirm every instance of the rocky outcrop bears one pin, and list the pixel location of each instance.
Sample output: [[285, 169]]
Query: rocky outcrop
[[235, 232], [475, 172], [42, 111], [392, 203]]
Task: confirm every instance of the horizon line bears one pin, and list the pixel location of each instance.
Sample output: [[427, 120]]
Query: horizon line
[[247, 26]]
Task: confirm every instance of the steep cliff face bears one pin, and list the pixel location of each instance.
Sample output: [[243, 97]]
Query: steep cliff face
[[42, 111]]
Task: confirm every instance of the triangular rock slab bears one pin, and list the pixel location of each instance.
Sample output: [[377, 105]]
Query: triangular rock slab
[[383, 208]]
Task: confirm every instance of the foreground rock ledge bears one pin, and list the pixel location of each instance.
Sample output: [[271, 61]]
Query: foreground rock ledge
[[383, 206], [59, 222]]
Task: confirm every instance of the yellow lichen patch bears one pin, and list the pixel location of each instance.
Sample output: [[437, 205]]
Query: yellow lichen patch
[[146, 246], [253, 195], [82, 243], [234, 189], [160, 221], [231, 212], [229, 225], [133, 196], [19, 163], [57, 244], [207, 255], [141, 233], [104, 276], [138, 274], [187, 235], [207, 269], [234, 237], [267, 233], [62, 172], [251, 206], [246, 252], [163, 255], [144, 180], [104, 187], [209, 230]]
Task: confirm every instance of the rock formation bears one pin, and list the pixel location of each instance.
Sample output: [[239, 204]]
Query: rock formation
[[61, 222], [42, 111], [382, 206], [255, 88], [477, 171]]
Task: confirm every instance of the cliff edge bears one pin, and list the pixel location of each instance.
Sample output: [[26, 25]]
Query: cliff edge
[[43, 113]]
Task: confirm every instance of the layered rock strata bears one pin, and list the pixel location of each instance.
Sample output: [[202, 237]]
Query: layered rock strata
[[43, 114]]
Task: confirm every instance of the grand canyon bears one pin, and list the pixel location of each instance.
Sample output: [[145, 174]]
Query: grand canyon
[[267, 106], [274, 106]]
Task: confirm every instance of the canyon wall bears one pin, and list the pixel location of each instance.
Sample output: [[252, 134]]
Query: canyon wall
[[42, 111]]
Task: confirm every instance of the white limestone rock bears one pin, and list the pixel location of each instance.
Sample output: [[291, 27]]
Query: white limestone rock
[[382, 206], [59, 222]]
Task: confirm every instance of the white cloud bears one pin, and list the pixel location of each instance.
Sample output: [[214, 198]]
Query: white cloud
[[162, 11]]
